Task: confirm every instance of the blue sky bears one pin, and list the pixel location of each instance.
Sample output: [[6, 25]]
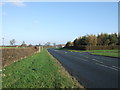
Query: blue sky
[[39, 22]]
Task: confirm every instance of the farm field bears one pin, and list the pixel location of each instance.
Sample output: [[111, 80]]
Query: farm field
[[12, 47], [113, 53], [38, 71], [11, 55]]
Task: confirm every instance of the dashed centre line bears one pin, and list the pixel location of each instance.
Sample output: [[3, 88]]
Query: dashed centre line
[[81, 59], [97, 61], [106, 66], [116, 67]]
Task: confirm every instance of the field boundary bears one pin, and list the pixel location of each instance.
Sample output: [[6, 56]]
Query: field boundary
[[11, 55], [19, 59]]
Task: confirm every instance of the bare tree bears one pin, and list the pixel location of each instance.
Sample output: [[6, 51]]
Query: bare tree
[[12, 42], [23, 44], [40, 44]]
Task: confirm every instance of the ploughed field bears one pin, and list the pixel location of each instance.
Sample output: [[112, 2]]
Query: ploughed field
[[10, 55]]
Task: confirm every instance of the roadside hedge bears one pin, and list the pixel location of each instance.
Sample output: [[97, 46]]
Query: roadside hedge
[[10, 55]]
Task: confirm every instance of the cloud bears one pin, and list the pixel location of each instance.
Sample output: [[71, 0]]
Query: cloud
[[14, 2], [17, 2]]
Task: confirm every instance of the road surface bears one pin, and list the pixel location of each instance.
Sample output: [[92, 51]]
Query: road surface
[[91, 70]]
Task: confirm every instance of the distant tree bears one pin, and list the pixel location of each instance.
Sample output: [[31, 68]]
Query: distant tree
[[106, 42], [12, 42], [69, 44], [75, 42], [40, 44], [113, 39], [91, 40], [23, 44], [103, 39], [100, 39], [82, 40]]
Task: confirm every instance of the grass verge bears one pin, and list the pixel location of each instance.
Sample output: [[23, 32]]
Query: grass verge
[[112, 53], [108, 54], [38, 71]]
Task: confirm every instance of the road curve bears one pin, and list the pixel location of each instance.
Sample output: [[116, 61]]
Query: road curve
[[91, 70]]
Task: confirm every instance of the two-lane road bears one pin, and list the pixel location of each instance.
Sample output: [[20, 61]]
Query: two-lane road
[[91, 70]]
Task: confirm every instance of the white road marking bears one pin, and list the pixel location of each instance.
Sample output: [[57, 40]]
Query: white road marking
[[65, 52], [106, 66], [97, 61], [116, 67]]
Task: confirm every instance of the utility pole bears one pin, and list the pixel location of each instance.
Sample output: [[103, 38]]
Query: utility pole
[[3, 41]]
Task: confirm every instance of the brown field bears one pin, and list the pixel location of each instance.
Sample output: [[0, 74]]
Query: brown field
[[10, 55]]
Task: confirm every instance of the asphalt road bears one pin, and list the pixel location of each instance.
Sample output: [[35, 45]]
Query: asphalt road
[[91, 70]]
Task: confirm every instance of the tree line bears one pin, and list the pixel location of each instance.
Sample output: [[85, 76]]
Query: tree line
[[102, 39], [13, 41]]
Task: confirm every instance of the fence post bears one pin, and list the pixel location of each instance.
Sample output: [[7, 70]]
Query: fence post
[[39, 49]]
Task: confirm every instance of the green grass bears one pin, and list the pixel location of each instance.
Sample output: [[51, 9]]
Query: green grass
[[38, 71], [87, 50], [94, 50], [113, 53], [108, 54]]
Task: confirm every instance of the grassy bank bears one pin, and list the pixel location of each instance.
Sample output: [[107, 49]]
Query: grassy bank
[[108, 54], [38, 71], [113, 53]]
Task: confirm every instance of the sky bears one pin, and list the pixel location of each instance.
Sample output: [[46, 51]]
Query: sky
[[57, 22]]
